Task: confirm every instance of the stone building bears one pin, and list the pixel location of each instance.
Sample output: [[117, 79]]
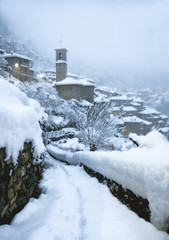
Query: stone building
[[50, 74], [61, 64], [134, 124], [71, 87], [20, 66]]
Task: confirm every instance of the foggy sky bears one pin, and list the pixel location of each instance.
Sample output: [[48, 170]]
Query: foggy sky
[[125, 35]]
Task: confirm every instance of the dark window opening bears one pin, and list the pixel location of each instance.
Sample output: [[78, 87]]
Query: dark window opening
[[60, 56]]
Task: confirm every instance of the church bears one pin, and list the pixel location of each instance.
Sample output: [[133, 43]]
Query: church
[[70, 86]]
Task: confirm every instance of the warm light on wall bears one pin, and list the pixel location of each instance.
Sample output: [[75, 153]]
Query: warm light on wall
[[16, 65]]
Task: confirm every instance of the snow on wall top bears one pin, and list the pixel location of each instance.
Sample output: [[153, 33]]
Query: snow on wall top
[[73, 81], [144, 170], [19, 120]]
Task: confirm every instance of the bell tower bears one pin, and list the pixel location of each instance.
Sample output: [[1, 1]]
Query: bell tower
[[61, 64]]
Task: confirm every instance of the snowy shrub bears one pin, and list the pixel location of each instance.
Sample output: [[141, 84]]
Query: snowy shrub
[[96, 125]]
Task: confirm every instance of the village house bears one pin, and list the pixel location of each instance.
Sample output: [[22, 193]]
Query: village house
[[107, 91], [3, 62], [134, 124], [150, 114], [165, 131], [135, 117], [121, 100], [50, 74], [71, 87], [20, 66], [129, 111]]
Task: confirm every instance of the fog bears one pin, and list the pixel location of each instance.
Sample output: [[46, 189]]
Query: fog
[[112, 35]]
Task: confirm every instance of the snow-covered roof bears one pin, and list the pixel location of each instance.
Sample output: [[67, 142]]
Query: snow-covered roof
[[122, 97], [72, 75], [104, 88], [163, 116], [149, 110], [73, 81], [164, 129], [53, 70], [135, 119], [129, 109], [101, 100], [2, 50], [10, 55], [60, 48], [135, 104], [116, 108], [133, 94], [137, 99], [87, 79]]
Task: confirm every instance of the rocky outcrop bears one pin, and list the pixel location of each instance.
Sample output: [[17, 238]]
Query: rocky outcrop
[[18, 183]]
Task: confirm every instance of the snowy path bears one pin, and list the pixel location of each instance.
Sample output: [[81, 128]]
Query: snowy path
[[77, 207]]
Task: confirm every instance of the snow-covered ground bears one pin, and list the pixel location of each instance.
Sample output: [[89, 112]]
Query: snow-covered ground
[[77, 207], [70, 144], [143, 170]]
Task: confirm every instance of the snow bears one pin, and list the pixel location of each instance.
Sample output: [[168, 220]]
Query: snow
[[57, 119], [135, 104], [19, 120], [73, 81], [164, 129], [9, 55], [116, 108], [136, 120], [137, 100], [85, 103], [76, 206], [70, 144], [60, 61], [69, 74], [149, 110], [142, 170], [163, 116], [122, 97], [129, 108]]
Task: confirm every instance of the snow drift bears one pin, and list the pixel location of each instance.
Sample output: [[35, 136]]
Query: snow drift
[[19, 120], [143, 170]]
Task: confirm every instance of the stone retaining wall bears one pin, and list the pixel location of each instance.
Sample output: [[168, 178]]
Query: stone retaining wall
[[127, 197], [18, 183]]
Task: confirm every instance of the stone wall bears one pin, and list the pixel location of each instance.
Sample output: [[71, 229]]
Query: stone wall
[[127, 197], [18, 183]]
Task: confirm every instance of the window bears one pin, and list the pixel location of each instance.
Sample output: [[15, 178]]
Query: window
[[60, 56]]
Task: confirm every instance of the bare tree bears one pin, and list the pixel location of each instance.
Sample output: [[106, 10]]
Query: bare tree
[[96, 125]]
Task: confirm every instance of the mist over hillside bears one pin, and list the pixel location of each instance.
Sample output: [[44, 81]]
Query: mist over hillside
[[123, 44], [120, 44]]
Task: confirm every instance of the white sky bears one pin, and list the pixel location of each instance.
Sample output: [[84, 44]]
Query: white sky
[[130, 35]]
